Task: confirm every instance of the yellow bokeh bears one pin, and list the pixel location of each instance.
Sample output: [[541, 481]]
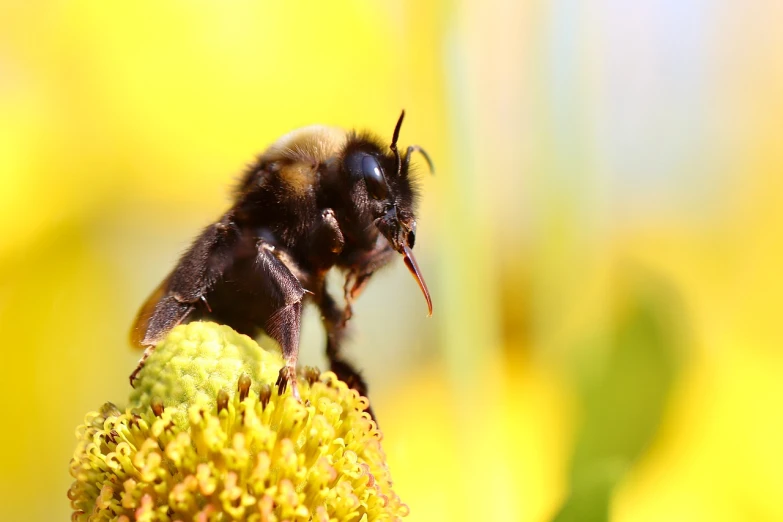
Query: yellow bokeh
[[603, 237]]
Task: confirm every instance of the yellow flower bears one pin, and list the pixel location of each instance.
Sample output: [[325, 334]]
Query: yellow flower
[[207, 438]]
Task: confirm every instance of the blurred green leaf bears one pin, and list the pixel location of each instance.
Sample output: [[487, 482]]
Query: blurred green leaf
[[624, 403]]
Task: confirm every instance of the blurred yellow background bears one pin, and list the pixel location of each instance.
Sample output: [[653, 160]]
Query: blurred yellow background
[[603, 239]]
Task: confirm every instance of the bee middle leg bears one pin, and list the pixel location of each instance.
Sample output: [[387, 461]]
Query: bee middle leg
[[285, 327], [285, 292]]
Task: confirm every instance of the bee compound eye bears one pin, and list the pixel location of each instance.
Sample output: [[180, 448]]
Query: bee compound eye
[[374, 178]]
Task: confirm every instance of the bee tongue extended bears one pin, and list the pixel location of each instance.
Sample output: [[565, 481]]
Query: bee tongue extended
[[410, 262]]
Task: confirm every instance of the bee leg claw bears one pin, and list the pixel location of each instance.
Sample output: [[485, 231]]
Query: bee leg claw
[[135, 375], [288, 375]]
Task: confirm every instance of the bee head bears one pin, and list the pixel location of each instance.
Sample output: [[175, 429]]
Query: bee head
[[383, 191]]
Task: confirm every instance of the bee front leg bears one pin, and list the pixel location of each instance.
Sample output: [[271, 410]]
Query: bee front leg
[[359, 275], [332, 316]]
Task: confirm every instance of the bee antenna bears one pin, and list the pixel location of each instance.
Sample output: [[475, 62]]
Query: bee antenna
[[393, 145], [416, 148]]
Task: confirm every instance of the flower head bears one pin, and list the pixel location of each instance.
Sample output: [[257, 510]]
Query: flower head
[[209, 439]]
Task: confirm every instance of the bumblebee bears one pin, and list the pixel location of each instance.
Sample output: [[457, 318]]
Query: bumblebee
[[319, 198]]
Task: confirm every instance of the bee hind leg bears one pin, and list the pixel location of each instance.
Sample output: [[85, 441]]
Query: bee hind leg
[[144, 356]]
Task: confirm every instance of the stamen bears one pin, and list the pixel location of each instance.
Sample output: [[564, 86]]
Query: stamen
[[264, 395], [244, 386], [157, 406], [311, 374], [222, 400]]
